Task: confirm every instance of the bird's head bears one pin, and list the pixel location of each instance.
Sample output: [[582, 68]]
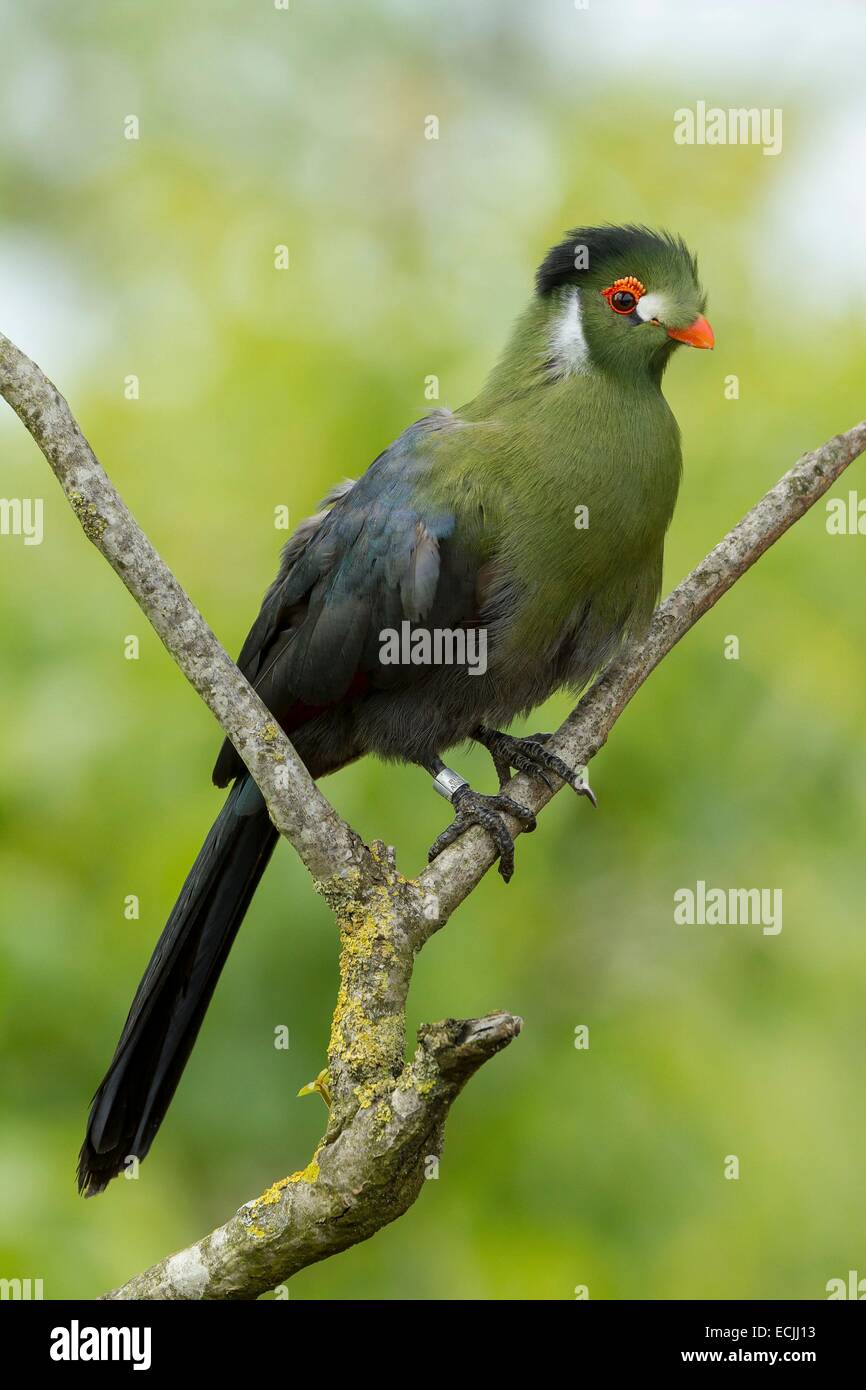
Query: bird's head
[[620, 299]]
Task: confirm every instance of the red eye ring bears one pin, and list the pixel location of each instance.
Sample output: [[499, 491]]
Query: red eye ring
[[623, 294]]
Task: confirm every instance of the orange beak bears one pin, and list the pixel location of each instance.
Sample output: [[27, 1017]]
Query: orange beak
[[698, 334]]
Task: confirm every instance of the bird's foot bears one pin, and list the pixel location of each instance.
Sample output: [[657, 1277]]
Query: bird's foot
[[529, 755], [471, 808]]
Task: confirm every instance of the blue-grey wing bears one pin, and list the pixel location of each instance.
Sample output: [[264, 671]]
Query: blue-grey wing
[[376, 555]]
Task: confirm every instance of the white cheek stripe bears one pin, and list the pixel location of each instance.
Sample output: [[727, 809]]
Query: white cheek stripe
[[651, 306], [569, 340]]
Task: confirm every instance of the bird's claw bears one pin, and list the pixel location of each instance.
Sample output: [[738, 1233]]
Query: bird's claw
[[472, 808], [530, 756]]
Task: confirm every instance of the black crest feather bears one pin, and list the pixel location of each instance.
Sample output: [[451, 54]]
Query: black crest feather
[[601, 244]]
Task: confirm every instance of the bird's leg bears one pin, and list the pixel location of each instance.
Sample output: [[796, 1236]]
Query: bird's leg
[[471, 808], [529, 755]]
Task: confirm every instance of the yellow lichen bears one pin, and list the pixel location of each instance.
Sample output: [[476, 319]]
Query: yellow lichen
[[366, 1094], [272, 1196], [367, 1045], [419, 1076], [367, 1032], [384, 1116], [91, 519], [308, 1174]]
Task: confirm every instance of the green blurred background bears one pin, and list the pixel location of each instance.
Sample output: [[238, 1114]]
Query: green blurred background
[[408, 258]]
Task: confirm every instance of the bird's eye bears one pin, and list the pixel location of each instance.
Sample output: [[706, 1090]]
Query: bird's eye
[[623, 301], [623, 294]]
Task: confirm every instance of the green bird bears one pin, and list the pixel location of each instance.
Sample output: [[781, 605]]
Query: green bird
[[488, 557]]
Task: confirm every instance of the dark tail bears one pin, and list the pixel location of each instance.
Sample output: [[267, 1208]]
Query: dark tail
[[177, 987]]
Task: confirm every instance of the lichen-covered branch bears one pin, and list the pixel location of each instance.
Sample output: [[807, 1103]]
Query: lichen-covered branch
[[386, 1115], [365, 1177]]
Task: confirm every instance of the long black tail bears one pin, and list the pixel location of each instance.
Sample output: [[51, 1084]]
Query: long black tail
[[177, 987]]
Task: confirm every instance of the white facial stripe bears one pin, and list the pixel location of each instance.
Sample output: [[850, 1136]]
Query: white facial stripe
[[651, 306], [569, 340]]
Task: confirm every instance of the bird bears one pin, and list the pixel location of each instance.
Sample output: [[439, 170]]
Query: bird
[[490, 556]]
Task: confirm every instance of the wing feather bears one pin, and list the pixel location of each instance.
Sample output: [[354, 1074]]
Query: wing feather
[[378, 552]]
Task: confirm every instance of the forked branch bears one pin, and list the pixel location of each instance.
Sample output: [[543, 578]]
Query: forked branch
[[387, 1115]]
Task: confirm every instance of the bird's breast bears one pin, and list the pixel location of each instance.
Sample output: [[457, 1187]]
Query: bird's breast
[[586, 531]]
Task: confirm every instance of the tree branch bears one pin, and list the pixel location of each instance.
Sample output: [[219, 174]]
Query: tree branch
[[369, 1175], [387, 1116]]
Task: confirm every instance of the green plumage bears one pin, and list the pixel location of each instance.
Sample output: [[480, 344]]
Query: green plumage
[[589, 441]]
